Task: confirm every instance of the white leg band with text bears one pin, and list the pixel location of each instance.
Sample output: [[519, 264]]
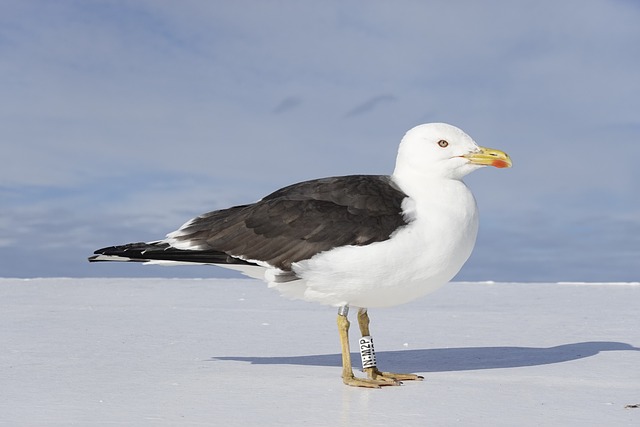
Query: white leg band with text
[[367, 353]]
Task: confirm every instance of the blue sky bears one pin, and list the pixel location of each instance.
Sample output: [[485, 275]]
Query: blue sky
[[120, 120]]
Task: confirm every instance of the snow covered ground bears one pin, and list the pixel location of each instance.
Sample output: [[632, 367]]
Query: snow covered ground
[[233, 353]]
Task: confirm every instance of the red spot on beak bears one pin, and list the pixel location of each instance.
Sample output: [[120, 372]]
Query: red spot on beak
[[500, 164]]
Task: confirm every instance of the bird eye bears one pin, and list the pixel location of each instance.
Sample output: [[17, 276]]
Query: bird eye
[[442, 143]]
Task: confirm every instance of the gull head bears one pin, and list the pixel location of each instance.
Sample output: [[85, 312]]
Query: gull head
[[444, 151]]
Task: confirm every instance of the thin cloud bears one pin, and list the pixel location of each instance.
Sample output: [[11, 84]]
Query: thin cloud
[[370, 105], [287, 104]]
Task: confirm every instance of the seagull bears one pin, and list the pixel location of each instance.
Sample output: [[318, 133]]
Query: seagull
[[360, 241]]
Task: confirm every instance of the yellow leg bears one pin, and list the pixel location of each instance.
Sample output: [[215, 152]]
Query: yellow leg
[[373, 373], [347, 371]]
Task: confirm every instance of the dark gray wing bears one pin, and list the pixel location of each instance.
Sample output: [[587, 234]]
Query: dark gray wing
[[301, 220]]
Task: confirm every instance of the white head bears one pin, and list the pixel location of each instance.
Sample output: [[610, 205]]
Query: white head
[[439, 150]]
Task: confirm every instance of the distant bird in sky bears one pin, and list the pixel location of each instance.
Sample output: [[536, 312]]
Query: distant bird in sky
[[361, 241]]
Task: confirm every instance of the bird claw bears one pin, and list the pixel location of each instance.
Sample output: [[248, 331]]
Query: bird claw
[[370, 383], [377, 375]]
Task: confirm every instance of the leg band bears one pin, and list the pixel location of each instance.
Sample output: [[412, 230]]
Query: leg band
[[367, 353]]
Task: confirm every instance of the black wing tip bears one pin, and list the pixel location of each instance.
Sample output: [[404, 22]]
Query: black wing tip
[[128, 252], [162, 251], [100, 257], [102, 251]]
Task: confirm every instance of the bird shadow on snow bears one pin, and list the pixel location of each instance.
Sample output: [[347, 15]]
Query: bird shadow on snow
[[454, 359]]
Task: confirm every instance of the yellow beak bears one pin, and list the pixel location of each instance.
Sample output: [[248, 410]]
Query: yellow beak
[[489, 157]]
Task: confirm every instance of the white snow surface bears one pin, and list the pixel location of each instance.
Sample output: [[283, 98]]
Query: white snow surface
[[184, 352]]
